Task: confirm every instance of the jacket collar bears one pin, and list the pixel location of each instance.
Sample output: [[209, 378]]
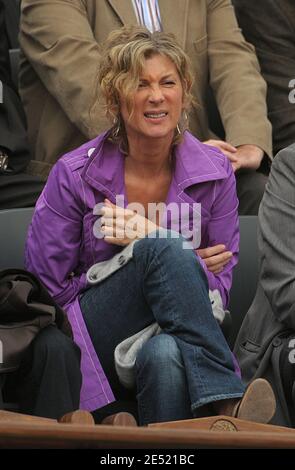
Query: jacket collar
[[194, 163], [105, 168], [124, 10], [176, 21]]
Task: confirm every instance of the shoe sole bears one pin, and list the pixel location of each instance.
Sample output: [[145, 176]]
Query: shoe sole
[[258, 403]]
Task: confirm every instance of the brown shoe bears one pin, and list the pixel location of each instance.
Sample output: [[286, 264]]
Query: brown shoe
[[77, 417], [120, 419], [258, 403]]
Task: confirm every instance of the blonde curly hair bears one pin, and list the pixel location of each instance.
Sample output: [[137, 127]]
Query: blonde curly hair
[[122, 61]]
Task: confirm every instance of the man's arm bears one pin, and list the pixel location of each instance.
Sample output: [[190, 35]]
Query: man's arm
[[13, 138], [57, 39], [275, 47], [235, 78], [4, 54], [276, 237]]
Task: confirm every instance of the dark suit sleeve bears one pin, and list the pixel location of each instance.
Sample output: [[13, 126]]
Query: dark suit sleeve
[[276, 238], [4, 47], [235, 78], [270, 26], [12, 120]]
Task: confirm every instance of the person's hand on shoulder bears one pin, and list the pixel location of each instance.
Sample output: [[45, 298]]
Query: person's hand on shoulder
[[246, 156], [226, 148]]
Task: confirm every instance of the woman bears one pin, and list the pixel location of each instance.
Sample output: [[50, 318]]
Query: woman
[[145, 158], [265, 346]]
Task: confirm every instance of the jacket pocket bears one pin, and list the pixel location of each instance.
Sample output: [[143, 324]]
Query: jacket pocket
[[201, 44], [248, 354], [250, 346]]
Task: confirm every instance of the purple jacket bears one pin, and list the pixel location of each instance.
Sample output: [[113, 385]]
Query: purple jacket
[[61, 245]]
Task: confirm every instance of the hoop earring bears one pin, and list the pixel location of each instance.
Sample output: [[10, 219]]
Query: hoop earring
[[178, 129], [116, 127], [184, 121]]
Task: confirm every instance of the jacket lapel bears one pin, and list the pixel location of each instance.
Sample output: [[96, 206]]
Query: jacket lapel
[[193, 165], [125, 11], [174, 18], [104, 170]]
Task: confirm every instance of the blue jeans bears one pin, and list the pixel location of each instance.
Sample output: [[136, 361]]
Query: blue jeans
[[161, 382], [166, 283]]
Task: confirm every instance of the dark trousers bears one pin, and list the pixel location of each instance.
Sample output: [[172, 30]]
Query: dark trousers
[[250, 190], [48, 382], [19, 190]]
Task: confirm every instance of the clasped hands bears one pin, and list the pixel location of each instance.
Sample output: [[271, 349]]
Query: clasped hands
[[245, 156], [121, 226]]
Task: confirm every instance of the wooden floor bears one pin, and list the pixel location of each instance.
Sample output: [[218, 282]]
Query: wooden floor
[[20, 431]]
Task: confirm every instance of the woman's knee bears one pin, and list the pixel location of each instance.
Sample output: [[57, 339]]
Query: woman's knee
[[159, 353], [166, 242]]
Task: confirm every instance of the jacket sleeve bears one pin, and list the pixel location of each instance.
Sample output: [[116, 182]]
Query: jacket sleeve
[[57, 39], [223, 228], [275, 49], [55, 235], [13, 138], [276, 238], [235, 77], [4, 48]]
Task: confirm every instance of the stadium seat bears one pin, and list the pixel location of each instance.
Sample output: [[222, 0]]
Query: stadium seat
[[14, 225]]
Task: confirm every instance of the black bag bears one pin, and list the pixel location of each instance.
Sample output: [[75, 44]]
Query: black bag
[[25, 308]]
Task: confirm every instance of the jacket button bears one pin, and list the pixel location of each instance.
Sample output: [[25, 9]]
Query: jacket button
[[90, 151], [121, 260], [277, 342]]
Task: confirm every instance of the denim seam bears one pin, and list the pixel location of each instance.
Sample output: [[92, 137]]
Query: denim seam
[[141, 409], [211, 399], [202, 381]]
